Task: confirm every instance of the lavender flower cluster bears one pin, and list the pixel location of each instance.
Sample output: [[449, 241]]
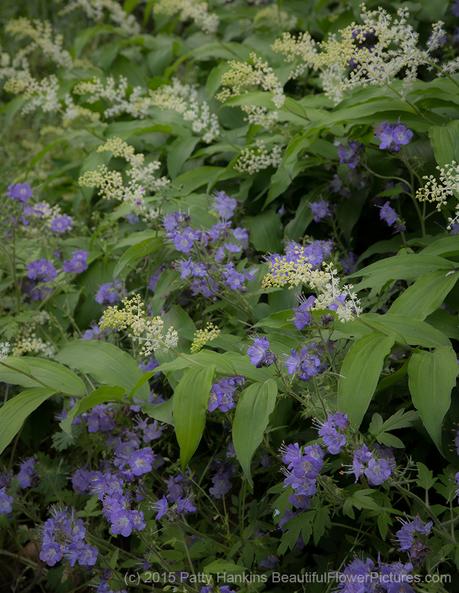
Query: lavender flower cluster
[[210, 267]]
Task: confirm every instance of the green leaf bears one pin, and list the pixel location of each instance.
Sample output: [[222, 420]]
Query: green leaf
[[406, 330], [178, 152], [223, 566], [189, 409], [29, 371], [431, 377], [136, 252], [161, 412], [424, 296], [425, 477], [105, 362], [105, 393], [445, 246], [360, 373], [445, 142], [251, 418], [407, 266], [265, 231], [14, 412]]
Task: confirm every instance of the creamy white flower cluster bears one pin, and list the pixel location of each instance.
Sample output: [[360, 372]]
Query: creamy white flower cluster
[[149, 333], [27, 341], [437, 190], [97, 10], [189, 10], [5, 348], [373, 52], [325, 283], [184, 99], [41, 36], [253, 159], [244, 77], [142, 179]]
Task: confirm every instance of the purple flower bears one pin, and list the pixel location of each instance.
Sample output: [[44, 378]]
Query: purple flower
[[456, 477], [221, 481], [224, 205], [64, 536], [305, 362], [99, 418], [78, 263], [408, 542], [303, 465], [395, 577], [233, 279], [302, 315], [222, 393], [348, 262], [393, 136], [21, 192], [455, 8], [161, 507], [269, 562], [93, 333], [141, 461], [109, 293], [184, 239], [259, 352], [61, 224], [332, 432], [82, 480], [388, 214], [350, 154], [6, 502], [41, 270], [171, 222], [357, 577], [377, 469], [26, 472], [320, 210], [190, 269]]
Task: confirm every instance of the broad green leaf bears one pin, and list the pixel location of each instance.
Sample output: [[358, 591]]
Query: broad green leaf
[[178, 152], [445, 142], [251, 419], [135, 253], [406, 266], [431, 377], [101, 395], [105, 362], [161, 412], [29, 371], [424, 296], [406, 330], [445, 246], [265, 231], [189, 409], [360, 373], [15, 411]]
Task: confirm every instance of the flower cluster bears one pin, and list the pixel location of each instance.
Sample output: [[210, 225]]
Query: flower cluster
[[97, 10], [184, 99], [332, 432], [409, 541], [303, 465], [142, 179], [391, 218], [204, 336], [254, 74], [365, 576], [194, 10], [299, 266], [253, 159], [393, 136], [64, 536], [178, 499], [147, 332], [437, 190], [210, 268], [377, 466], [259, 352], [222, 393], [373, 52]]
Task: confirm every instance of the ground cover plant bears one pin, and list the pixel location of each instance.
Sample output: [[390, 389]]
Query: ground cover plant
[[229, 303]]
